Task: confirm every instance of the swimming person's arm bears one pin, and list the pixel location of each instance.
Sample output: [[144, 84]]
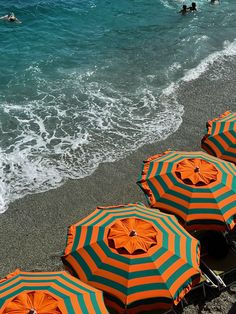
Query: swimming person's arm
[[18, 21], [3, 17]]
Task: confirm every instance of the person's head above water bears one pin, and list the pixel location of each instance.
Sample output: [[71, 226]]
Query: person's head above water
[[193, 7], [11, 17], [184, 9]]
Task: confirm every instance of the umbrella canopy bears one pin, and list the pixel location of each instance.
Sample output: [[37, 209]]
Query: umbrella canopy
[[48, 293], [220, 139], [141, 258], [198, 188]]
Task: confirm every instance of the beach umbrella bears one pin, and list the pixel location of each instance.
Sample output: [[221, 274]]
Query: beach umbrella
[[48, 293], [141, 258], [220, 140], [198, 188]]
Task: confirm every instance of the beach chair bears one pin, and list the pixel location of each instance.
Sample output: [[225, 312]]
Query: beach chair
[[213, 280], [221, 268], [211, 275]]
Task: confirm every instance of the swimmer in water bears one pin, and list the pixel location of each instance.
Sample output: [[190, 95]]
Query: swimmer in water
[[184, 10], [10, 18], [193, 7]]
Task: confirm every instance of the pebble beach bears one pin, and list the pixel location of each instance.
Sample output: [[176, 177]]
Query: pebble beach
[[33, 225]]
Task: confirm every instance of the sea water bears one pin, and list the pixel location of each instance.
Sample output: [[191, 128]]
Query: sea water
[[88, 81]]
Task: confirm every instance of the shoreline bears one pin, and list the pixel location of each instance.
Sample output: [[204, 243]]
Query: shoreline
[[38, 223], [33, 229]]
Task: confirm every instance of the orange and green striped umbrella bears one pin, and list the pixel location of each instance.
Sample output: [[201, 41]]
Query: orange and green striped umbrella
[[48, 293], [220, 140], [198, 188], [141, 258]]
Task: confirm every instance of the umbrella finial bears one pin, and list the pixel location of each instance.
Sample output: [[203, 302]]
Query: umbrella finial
[[197, 169], [32, 311], [133, 233]]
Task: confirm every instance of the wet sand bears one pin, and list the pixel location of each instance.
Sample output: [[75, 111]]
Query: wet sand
[[33, 229]]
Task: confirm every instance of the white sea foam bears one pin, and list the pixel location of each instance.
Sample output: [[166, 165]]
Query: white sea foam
[[73, 125], [229, 50], [218, 56]]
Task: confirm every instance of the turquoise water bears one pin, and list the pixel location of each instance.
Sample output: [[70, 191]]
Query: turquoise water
[[83, 82]]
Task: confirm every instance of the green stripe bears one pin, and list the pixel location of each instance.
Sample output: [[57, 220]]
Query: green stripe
[[76, 239], [149, 169], [188, 249], [177, 274]]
